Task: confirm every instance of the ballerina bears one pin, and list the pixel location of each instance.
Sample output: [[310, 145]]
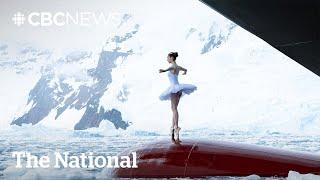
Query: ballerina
[[175, 91]]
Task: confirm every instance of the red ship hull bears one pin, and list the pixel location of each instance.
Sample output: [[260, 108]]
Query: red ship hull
[[191, 158]]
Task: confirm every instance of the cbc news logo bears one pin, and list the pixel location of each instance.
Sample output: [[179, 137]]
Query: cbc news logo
[[45, 19], [18, 18]]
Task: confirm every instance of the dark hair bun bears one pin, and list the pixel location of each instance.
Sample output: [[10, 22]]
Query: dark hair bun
[[173, 54]]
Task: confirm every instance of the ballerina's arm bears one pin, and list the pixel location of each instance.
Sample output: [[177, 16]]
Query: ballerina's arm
[[183, 69], [164, 70]]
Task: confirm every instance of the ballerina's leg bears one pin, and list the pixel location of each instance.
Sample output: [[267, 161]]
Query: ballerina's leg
[[174, 100], [179, 94], [175, 97]]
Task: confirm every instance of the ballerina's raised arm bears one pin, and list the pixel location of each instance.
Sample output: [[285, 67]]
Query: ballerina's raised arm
[[182, 69], [179, 68], [165, 70]]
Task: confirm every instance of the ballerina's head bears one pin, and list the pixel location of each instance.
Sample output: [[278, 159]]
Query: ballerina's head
[[172, 56]]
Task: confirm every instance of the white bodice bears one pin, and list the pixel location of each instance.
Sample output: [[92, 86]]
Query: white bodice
[[173, 78]]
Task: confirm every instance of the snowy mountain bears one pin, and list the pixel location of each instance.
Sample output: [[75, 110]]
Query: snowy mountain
[[58, 91]]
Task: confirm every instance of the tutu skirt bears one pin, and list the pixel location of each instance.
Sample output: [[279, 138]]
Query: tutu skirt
[[184, 88]]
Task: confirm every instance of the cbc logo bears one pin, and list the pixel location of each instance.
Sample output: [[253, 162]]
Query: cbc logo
[[18, 18], [64, 18]]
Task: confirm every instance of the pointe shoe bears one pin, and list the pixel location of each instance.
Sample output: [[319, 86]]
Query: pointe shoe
[[177, 141], [176, 133], [172, 133]]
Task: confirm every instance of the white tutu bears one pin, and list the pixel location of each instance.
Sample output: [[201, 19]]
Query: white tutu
[[175, 86]]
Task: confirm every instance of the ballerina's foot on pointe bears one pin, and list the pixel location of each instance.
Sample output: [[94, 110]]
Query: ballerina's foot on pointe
[[172, 133], [175, 135]]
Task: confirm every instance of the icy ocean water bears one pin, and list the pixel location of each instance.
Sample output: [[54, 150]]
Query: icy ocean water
[[43, 141]]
